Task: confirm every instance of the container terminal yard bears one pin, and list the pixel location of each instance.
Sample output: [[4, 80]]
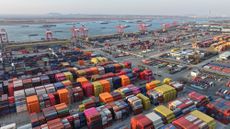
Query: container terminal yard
[[175, 77]]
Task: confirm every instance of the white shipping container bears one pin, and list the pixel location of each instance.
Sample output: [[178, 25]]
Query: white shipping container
[[156, 119], [10, 126]]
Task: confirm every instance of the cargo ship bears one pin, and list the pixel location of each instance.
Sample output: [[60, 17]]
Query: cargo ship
[[48, 26], [104, 22], [25, 26], [31, 35]]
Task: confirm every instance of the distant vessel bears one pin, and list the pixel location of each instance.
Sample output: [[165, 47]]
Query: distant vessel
[[149, 20], [103, 27], [24, 26], [129, 21], [148, 25], [104, 22], [71, 24], [126, 26], [138, 21], [58, 31], [32, 35], [48, 26]]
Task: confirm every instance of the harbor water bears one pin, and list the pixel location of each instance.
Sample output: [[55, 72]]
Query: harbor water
[[36, 32]]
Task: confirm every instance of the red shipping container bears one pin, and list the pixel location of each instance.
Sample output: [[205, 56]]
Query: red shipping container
[[60, 77], [141, 122], [11, 89], [88, 89], [183, 123], [52, 99]]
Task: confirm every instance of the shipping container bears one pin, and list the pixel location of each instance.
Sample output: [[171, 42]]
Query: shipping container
[[105, 97], [141, 122], [166, 113], [106, 85], [219, 109], [145, 101], [63, 96], [32, 104], [207, 119], [120, 109], [135, 104], [168, 92], [93, 118], [200, 100], [124, 80], [88, 89], [97, 88], [62, 110], [106, 116], [156, 119]]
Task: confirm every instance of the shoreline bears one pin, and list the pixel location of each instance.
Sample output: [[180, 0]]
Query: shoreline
[[33, 21]]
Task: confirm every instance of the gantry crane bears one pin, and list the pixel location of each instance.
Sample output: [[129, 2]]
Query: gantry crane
[[143, 28], [75, 32], [83, 31], [165, 26], [120, 29], [3, 36], [49, 35]]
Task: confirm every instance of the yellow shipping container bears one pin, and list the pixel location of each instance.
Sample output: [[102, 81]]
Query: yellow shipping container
[[81, 72], [97, 88], [94, 60], [69, 75], [169, 93], [81, 107], [166, 112], [145, 101], [157, 82], [167, 80], [207, 119]]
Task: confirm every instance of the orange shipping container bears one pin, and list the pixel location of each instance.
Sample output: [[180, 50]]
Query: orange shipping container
[[67, 83], [94, 70], [60, 106], [124, 80], [87, 53], [33, 104], [82, 80], [118, 67], [81, 62], [106, 85], [63, 96], [150, 85], [105, 97]]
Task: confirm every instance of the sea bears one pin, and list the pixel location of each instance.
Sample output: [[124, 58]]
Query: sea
[[20, 33]]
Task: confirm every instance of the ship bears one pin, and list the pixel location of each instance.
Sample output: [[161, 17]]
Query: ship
[[72, 24], [126, 26], [148, 25], [138, 21], [103, 27], [48, 26], [32, 35], [104, 22], [24, 26], [58, 31]]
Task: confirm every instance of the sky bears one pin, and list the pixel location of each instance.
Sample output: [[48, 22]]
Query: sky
[[138, 7]]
